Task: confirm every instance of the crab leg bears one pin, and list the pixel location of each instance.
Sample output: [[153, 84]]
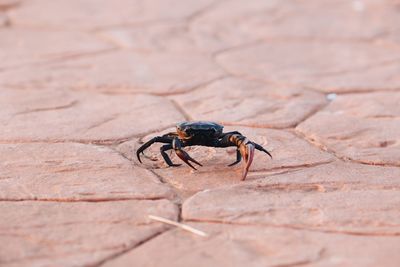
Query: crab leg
[[177, 145], [258, 147], [165, 156], [245, 149], [238, 158], [159, 139]]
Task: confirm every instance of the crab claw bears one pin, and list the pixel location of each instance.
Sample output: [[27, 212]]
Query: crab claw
[[246, 149], [186, 158]]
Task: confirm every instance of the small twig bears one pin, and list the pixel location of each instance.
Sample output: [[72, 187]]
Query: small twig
[[180, 225]]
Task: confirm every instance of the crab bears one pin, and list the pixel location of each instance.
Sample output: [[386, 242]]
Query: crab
[[203, 133]]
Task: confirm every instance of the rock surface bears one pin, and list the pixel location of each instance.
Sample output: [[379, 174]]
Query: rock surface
[[127, 72], [165, 36], [71, 234], [341, 20], [94, 14], [50, 115], [21, 47], [235, 101], [230, 245], [84, 83], [226, 246], [4, 21], [73, 172], [319, 199], [322, 65], [364, 128]]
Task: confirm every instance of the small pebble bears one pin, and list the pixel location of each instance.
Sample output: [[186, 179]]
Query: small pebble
[[331, 97]]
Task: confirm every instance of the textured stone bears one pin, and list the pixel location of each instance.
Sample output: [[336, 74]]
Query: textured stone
[[362, 127], [48, 115], [93, 14], [4, 21], [19, 47], [72, 172], [336, 175], [333, 198], [230, 245], [322, 65], [36, 233], [6, 5], [154, 37], [240, 102], [218, 29], [226, 246], [120, 72], [341, 19], [215, 171], [286, 19]]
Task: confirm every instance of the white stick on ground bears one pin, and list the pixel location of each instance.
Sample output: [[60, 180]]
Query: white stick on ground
[[180, 225]]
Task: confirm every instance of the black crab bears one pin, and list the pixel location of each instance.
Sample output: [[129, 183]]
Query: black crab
[[204, 133]]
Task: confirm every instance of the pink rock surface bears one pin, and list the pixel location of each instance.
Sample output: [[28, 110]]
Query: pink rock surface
[[20, 46], [152, 37], [6, 5], [334, 176], [240, 102], [75, 234], [73, 172], [363, 128], [93, 14], [322, 65], [330, 198], [120, 72], [4, 21], [230, 245], [226, 246], [313, 19], [50, 115]]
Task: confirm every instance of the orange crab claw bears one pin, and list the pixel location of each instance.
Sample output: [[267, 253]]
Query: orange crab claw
[[246, 149], [186, 158]]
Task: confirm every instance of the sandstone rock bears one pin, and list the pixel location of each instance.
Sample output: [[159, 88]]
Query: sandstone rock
[[4, 21], [217, 29], [154, 37], [336, 175], [230, 245], [331, 198], [34, 233], [26, 46], [120, 72], [288, 152], [325, 20], [48, 115], [240, 102], [73, 172], [364, 128], [6, 5], [226, 246], [322, 65], [340, 19], [93, 14]]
